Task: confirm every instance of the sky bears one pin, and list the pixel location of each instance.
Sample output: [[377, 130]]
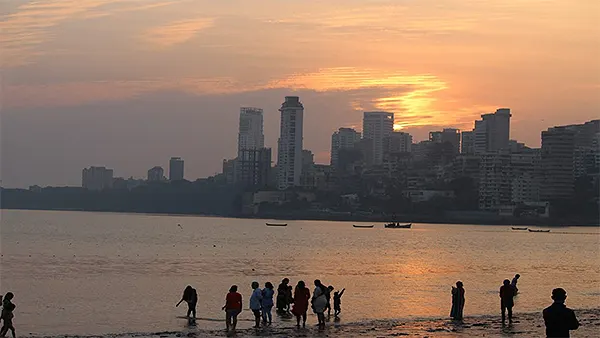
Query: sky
[[128, 84]]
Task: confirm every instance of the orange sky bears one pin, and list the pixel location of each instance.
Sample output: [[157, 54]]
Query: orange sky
[[433, 63]]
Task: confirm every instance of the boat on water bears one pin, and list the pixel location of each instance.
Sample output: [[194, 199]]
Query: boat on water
[[276, 224], [538, 230], [363, 226], [521, 229], [398, 226]]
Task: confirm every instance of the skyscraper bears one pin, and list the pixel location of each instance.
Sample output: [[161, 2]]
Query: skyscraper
[[251, 134], [344, 138], [289, 155], [467, 145], [376, 127], [448, 135], [156, 174], [492, 132], [176, 169], [97, 178]]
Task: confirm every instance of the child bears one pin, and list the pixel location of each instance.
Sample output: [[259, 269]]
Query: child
[[337, 302], [7, 315]]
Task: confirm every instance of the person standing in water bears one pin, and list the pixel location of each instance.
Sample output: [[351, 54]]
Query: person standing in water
[[256, 303], [191, 298], [559, 319], [458, 301], [233, 307], [319, 302], [267, 303], [328, 296], [282, 296], [507, 293], [7, 315], [337, 302], [514, 281], [301, 298]]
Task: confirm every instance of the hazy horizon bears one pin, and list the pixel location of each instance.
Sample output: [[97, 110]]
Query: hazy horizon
[[128, 84]]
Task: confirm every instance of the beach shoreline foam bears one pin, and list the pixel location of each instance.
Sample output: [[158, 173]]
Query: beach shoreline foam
[[525, 325]]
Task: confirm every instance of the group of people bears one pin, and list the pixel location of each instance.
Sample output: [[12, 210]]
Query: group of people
[[558, 319], [8, 307], [288, 303]]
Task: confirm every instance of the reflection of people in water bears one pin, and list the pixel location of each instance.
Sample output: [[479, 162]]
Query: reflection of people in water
[[233, 307], [7, 315], [559, 319], [301, 297], [282, 296], [514, 283], [191, 298], [319, 302], [337, 302], [458, 301], [267, 303], [507, 293]]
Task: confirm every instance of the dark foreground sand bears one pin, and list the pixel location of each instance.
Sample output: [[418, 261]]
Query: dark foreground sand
[[525, 325]]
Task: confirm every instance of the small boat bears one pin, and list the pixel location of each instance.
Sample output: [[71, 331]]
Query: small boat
[[538, 230], [522, 229], [398, 226], [276, 224], [363, 226]]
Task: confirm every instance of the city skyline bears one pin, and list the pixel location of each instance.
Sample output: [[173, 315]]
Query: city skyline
[[160, 79]]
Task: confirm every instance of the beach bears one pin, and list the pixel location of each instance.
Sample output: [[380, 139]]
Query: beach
[[98, 274]]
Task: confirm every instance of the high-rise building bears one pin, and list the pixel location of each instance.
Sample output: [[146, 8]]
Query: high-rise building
[[492, 132], [558, 145], [344, 138], [97, 178], [253, 167], [229, 170], [289, 154], [495, 180], [448, 135], [376, 127], [176, 169], [156, 174], [397, 142], [467, 143], [525, 176], [251, 134]]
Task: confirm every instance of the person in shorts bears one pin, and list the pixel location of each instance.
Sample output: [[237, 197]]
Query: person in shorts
[[233, 307]]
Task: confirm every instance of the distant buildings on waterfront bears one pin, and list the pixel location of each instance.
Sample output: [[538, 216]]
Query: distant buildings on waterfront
[[479, 169]]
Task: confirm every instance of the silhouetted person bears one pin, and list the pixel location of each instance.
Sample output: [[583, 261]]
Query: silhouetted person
[[337, 302], [507, 294], [458, 301], [191, 298], [319, 302], [301, 298], [283, 297], [514, 283], [7, 315], [256, 303], [559, 319], [328, 295], [233, 307], [267, 303]]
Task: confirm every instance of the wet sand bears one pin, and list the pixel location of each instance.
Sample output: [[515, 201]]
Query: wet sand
[[524, 325]]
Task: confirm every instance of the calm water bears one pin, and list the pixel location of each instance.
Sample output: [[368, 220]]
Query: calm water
[[93, 273]]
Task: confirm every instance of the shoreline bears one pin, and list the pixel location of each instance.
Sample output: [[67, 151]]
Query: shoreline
[[525, 325], [551, 223]]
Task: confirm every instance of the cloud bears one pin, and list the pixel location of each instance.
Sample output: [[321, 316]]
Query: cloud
[[31, 24], [177, 32]]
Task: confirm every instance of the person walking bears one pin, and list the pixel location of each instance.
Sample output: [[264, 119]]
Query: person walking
[[559, 319], [507, 294], [256, 303], [7, 315], [319, 302], [233, 307], [301, 298], [191, 298], [267, 303], [458, 301]]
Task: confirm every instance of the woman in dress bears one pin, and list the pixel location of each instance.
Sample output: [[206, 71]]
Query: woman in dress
[[458, 301], [319, 302], [301, 297]]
